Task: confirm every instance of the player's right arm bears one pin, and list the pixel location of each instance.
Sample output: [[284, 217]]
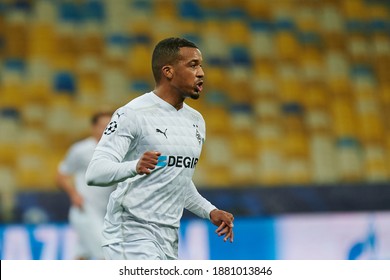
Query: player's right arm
[[105, 170], [107, 166], [65, 175], [66, 183]]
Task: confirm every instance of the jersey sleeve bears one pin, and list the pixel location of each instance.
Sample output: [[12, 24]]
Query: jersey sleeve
[[120, 134], [107, 166], [196, 203]]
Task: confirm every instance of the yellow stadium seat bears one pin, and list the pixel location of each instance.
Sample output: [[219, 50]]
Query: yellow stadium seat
[[28, 171], [137, 65], [242, 145], [219, 176], [218, 121], [266, 108], [262, 46], [237, 32], [359, 49], [216, 77], [67, 51], [268, 132], [306, 18], [286, 45], [89, 76], [8, 192], [242, 172], [59, 121], [33, 140], [217, 151], [42, 41], [9, 137], [16, 35], [316, 96], [92, 40], [322, 158], [217, 156], [344, 118], [318, 120], [295, 144], [371, 127], [257, 8], [354, 9], [289, 84], [349, 160], [375, 162], [270, 166], [12, 94], [165, 9], [296, 170], [377, 11]]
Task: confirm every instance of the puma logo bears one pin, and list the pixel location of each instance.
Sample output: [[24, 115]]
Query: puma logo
[[119, 115], [160, 131]]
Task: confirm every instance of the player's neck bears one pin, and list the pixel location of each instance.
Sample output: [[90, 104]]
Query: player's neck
[[167, 96]]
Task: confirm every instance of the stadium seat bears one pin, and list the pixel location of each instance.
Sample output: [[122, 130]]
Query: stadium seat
[[236, 26], [349, 159], [42, 42], [29, 172], [322, 158], [289, 83], [10, 124], [313, 74], [344, 118], [64, 82], [266, 109], [353, 9], [242, 172], [261, 42], [138, 55], [33, 115], [218, 121], [59, 121], [219, 159], [375, 162], [89, 75], [270, 165], [257, 8]]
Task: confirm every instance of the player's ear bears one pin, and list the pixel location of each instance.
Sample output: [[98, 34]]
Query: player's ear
[[168, 71]]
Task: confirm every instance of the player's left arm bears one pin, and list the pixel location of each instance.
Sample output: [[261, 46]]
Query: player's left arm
[[201, 207]]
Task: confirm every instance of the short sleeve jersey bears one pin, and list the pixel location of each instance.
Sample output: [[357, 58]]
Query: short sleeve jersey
[[148, 123]]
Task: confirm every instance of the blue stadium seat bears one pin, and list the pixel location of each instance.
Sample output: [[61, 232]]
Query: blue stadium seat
[[93, 10], [189, 9], [65, 82]]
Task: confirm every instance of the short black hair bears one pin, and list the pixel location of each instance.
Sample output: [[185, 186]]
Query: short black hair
[[167, 52], [96, 116]]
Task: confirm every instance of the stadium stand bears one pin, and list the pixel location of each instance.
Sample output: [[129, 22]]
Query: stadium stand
[[297, 91]]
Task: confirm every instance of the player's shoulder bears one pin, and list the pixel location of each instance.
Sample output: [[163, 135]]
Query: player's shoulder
[[140, 103], [83, 144]]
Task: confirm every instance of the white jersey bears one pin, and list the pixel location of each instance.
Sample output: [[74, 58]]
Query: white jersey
[[88, 221], [148, 123], [75, 164]]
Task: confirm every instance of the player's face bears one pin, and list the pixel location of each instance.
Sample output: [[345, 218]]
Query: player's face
[[188, 73]]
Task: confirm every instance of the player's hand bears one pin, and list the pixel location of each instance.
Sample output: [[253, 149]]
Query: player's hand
[[147, 162], [224, 221], [77, 200]]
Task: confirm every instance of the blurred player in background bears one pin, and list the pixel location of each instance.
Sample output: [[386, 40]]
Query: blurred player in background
[[151, 148], [88, 204]]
